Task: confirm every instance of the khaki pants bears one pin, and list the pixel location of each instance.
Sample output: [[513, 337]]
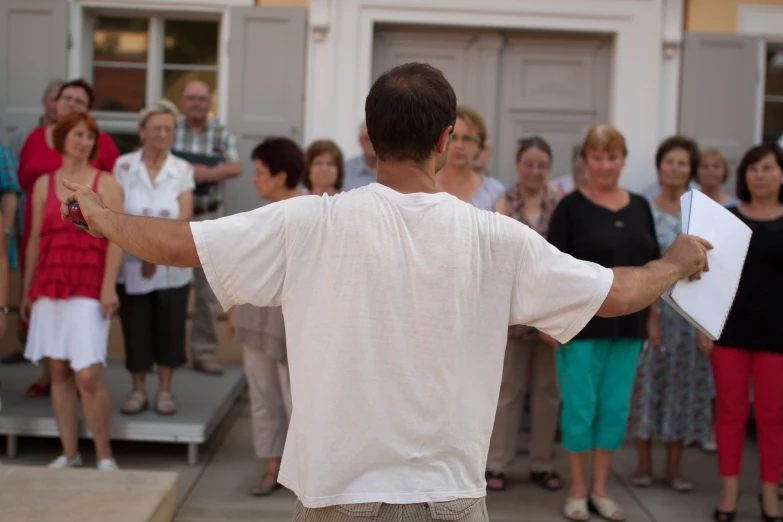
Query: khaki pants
[[539, 358], [270, 401], [203, 329], [462, 510]]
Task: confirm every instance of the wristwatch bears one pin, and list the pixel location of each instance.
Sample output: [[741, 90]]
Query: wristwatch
[[4, 309]]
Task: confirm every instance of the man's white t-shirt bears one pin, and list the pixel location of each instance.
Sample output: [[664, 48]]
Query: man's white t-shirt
[[397, 309]]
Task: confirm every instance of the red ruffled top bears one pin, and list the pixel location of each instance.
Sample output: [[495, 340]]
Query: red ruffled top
[[71, 263]]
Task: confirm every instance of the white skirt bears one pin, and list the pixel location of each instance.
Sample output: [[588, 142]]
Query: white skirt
[[68, 330]]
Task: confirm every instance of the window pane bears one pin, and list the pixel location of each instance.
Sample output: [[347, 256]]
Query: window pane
[[120, 39], [174, 81], [125, 143], [773, 121], [190, 43], [119, 89]]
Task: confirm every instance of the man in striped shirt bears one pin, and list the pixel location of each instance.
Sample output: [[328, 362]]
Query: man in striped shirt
[[212, 149]]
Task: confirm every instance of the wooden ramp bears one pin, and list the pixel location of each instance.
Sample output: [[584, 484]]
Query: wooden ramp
[[35, 494], [204, 400]]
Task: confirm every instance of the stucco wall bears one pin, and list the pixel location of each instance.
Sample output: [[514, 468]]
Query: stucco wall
[[717, 16]]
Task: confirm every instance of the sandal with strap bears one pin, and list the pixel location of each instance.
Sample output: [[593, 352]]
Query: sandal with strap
[[264, 488], [606, 508], [134, 403], [165, 404], [498, 478], [545, 479], [575, 510], [37, 390]]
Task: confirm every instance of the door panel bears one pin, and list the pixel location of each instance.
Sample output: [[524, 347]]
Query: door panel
[[721, 91], [553, 87], [266, 86], [34, 51]]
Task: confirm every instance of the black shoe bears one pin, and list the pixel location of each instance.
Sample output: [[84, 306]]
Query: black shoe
[[764, 516], [14, 358], [724, 516]]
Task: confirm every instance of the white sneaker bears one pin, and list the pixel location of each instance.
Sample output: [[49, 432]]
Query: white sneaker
[[62, 462], [107, 465]]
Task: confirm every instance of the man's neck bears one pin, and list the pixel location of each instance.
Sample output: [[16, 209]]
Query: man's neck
[[408, 177], [372, 163], [196, 125]]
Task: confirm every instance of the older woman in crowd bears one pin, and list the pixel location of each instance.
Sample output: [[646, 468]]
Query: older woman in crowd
[[673, 392], [324, 168], [528, 352], [69, 292], [750, 348], [458, 177], [278, 164], [154, 299], [39, 157], [712, 173], [603, 223]]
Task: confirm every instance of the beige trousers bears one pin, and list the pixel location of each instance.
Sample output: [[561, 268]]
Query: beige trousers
[[537, 359], [462, 510], [203, 327], [270, 401]]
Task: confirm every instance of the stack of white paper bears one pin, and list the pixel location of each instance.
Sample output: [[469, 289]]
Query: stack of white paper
[[706, 303]]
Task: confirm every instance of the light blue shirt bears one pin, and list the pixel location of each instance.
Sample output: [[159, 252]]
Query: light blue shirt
[[357, 174], [488, 193]]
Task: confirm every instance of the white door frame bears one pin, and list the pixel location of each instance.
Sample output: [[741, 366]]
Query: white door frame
[[340, 58], [76, 52]]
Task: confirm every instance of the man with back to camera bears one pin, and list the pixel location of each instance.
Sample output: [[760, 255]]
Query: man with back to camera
[[397, 301]]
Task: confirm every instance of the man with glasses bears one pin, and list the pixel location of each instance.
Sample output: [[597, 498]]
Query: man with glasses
[[212, 150], [360, 170]]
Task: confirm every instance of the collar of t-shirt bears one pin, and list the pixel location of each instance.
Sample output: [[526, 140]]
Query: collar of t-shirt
[[412, 199]]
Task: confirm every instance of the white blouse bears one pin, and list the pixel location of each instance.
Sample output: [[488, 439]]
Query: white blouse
[[143, 197]]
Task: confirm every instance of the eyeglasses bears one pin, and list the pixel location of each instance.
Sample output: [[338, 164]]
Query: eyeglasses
[[463, 138], [76, 101]]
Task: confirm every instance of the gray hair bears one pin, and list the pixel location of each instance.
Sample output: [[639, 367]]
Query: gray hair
[[158, 107], [53, 85]]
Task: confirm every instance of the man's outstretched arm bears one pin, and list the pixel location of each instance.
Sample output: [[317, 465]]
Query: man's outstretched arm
[[635, 288], [158, 241]]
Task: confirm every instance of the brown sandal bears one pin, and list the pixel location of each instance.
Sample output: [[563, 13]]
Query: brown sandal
[[263, 488], [544, 480]]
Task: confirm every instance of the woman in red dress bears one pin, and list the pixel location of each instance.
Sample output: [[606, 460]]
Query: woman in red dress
[[69, 293], [38, 157]]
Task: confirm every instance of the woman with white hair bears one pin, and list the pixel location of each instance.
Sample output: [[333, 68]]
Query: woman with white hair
[[153, 299]]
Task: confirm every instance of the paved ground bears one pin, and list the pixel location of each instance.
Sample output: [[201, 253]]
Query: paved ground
[[215, 490]]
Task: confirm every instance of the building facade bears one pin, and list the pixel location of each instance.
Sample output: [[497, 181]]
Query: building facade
[[708, 68]]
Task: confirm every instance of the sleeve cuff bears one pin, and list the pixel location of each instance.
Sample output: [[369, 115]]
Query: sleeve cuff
[[605, 281], [197, 229]]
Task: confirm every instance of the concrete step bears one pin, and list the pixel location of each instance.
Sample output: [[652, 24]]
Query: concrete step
[[86, 495]]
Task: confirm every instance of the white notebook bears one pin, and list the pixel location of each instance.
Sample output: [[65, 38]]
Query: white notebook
[[706, 303]]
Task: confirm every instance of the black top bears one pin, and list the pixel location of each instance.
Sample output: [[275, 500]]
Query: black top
[[755, 321], [624, 238]]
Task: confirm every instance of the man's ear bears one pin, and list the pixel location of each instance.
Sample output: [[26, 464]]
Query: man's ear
[[443, 140]]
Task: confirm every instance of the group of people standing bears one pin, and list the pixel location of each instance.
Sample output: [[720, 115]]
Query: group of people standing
[[72, 283], [650, 375]]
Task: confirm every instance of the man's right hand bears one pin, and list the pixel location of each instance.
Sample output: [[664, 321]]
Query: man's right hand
[[90, 205], [689, 254]]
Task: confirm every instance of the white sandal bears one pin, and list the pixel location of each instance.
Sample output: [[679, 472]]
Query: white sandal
[[575, 510], [606, 508]]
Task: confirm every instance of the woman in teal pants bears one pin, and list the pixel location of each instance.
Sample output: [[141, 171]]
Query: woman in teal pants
[[607, 225]]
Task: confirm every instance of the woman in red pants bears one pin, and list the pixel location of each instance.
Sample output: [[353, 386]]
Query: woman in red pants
[[751, 346]]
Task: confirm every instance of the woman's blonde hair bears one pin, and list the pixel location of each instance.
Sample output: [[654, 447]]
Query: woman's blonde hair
[[475, 122], [604, 137], [159, 107], [721, 157]]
